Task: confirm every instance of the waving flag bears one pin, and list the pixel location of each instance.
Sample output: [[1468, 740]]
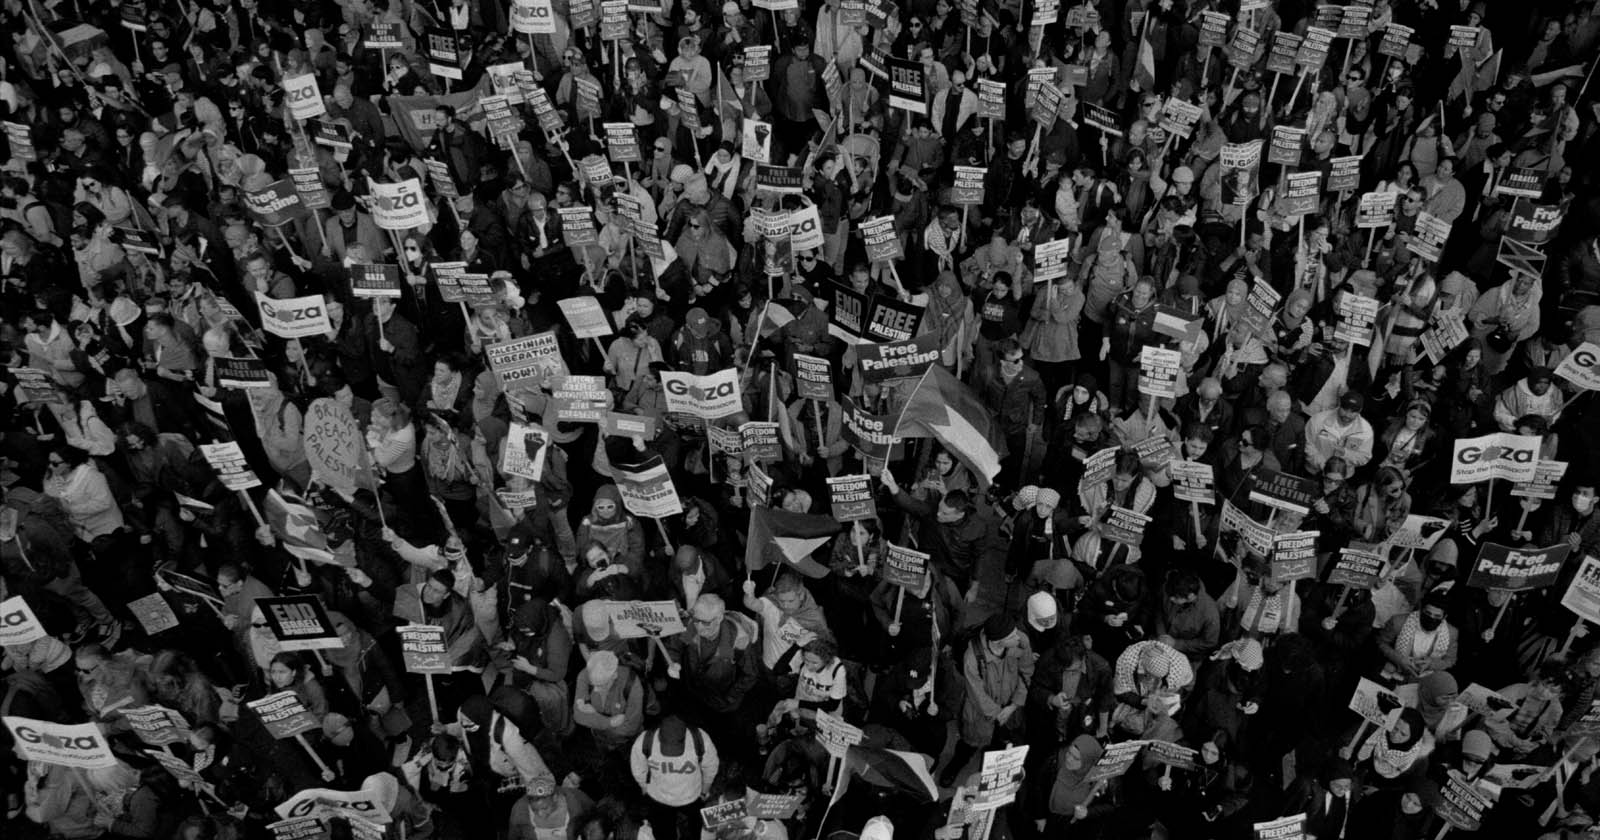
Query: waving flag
[[944, 408], [296, 525], [906, 772], [790, 537]]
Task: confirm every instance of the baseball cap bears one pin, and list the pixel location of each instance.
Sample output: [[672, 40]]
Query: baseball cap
[[1353, 401], [1042, 614]]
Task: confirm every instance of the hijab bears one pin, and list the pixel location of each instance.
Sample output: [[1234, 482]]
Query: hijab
[[1071, 788]]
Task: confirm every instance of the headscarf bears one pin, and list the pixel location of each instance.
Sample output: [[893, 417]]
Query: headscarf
[[1393, 760], [1430, 691], [347, 659], [1297, 294], [1070, 788]]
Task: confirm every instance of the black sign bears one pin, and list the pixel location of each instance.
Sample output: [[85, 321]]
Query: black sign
[[1285, 492], [299, 622], [241, 373]]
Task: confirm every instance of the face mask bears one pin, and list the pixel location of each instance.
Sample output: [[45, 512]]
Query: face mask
[[1583, 504], [1429, 622]]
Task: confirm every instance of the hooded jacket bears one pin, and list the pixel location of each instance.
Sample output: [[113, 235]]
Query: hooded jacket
[[1069, 790], [620, 533]]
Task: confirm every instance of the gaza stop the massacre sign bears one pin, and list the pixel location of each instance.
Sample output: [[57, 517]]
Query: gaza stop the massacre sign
[[1502, 455]]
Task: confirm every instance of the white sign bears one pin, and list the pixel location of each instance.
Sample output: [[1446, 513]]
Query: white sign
[[303, 97], [1501, 455], [18, 624], [708, 397], [399, 206], [373, 802], [805, 230], [1581, 367], [532, 17], [294, 317], [80, 745], [643, 619]]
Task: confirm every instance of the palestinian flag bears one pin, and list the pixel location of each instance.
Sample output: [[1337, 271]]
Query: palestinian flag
[[788, 538], [1144, 68], [906, 772], [297, 527], [944, 408]]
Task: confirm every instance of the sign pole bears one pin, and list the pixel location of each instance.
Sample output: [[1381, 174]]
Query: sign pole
[[248, 502], [663, 529], [1338, 608], [327, 773], [1361, 732], [1500, 613], [433, 699]]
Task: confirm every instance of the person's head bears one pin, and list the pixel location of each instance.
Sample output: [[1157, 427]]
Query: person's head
[[134, 436], [1432, 612], [1446, 168], [1350, 406], [1010, 355], [819, 653], [1183, 588], [954, 507], [285, 670], [1144, 292], [1334, 474], [1252, 440], [1126, 471], [707, 614], [1582, 499], [1196, 440], [437, 590], [789, 594]]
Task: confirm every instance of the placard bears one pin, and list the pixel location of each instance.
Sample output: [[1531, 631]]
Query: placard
[[622, 143], [1281, 54], [580, 399], [759, 441], [398, 206], [1283, 828], [275, 204], [1460, 803], [18, 623], [1285, 492], [1240, 165], [1159, 369], [1000, 778], [1356, 317], [836, 736], [1124, 526], [299, 622], [241, 373], [284, 715], [1428, 239], [629, 425], [1300, 193], [1115, 761], [309, 187], [1174, 755], [851, 498], [784, 180], [383, 35], [1344, 172], [1193, 481], [80, 745], [731, 812], [1287, 141], [530, 358], [154, 614], [374, 281], [1102, 118], [881, 240], [904, 567], [757, 63], [335, 446], [645, 619], [303, 97], [649, 492], [533, 17], [1546, 475], [1045, 108], [1396, 40], [991, 100], [1375, 210], [1503, 455], [1213, 29], [1357, 568], [1504, 567], [1313, 52], [229, 462], [968, 186], [908, 85], [1581, 367], [1442, 336], [443, 53], [1294, 556], [885, 362], [1522, 182], [1418, 532], [1180, 117], [773, 806], [514, 457], [1464, 36], [585, 317], [1533, 224], [709, 397], [1353, 21], [1374, 703], [157, 725], [1244, 46], [423, 649]]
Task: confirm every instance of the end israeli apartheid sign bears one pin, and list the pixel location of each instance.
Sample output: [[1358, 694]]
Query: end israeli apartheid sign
[[299, 622]]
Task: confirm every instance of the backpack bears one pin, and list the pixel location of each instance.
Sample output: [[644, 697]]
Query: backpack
[[650, 749]]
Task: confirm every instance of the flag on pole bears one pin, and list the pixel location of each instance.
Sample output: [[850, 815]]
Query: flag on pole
[[906, 772], [789, 537], [942, 407], [296, 525], [1144, 68]]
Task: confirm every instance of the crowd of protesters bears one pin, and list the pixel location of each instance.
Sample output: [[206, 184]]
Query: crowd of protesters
[[1101, 562]]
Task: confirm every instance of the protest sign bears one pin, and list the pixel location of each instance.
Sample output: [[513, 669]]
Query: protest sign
[[785, 180], [1546, 474], [1521, 182], [1504, 567], [731, 812], [398, 206], [1300, 194], [1313, 52], [1286, 144], [813, 377], [1174, 755], [870, 434], [1240, 165], [648, 492], [1000, 777], [533, 17], [991, 99], [908, 85], [275, 204], [1581, 367], [1115, 761], [1051, 259], [580, 399], [1193, 481], [968, 186], [881, 240], [299, 622], [309, 187], [881, 363], [154, 614], [284, 715], [645, 619], [228, 461], [1282, 51], [1418, 532], [334, 135], [759, 441], [1344, 173], [1158, 371], [1294, 556], [851, 498], [18, 623], [1356, 317], [1285, 492], [835, 735], [373, 281], [1375, 210], [439, 175], [1503, 455], [524, 451], [294, 317], [335, 446], [531, 358], [773, 806], [757, 63], [20, 138], [1533, 224], [1461, 804], [1428, 239], [82, 745], [371, 803], [1482, 700], [622, 142], [1443, 335], [1356, 568], [1097, 469], [157, 725], [1246, 43], [1213, 29], [1374, 703], [36, 386], [1124, 526], [904, 567], [423, 649], [1180, 117], [443, 54], [709, 397], [1396, 39], [628, 425], [1283, 828]]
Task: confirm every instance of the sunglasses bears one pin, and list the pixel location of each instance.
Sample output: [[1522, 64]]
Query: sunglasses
[[258, 626]]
